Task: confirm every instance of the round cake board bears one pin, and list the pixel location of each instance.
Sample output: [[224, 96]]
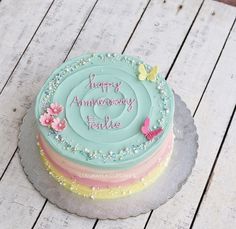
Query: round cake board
[[165, 187]]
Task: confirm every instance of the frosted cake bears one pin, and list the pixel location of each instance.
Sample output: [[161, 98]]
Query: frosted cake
[[105, 125]]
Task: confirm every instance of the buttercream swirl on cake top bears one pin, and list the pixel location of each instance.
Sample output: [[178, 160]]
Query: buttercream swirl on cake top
[[105, 105]]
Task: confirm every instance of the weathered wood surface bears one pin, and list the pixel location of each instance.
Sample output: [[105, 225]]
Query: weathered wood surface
[[18, 22], [201, 50], [48, 48], [166, 19], [193, 44], [220, 200], [211, 120], [55, 218], [119, 44], [44, 51], [19, 202], [162, 31]]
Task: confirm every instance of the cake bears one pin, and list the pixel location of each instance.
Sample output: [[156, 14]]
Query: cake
[[105, 125]]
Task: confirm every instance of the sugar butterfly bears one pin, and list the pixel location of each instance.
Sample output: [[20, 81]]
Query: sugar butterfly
[[149, 134], [144, 75]]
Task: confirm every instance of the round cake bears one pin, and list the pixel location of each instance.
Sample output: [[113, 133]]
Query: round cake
[[105, 125]]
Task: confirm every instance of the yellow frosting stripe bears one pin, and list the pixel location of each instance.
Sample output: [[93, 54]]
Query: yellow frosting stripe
[[104, 193]]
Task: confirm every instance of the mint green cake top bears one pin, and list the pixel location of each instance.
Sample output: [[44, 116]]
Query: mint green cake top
[[105, 110]]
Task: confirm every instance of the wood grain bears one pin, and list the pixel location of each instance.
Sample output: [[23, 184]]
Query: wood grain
[[104, 31], [147, 39], [109, 33], [19, 201], [201, 51], [162, 31], [53, 217], [220, 200], [211, 120], [167, 34], [47, 50], [18, 22], [198, 52]]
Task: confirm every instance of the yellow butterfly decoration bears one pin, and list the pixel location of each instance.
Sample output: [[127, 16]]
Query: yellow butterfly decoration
[[144, 75]]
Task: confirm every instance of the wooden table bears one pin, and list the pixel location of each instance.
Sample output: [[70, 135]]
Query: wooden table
[[193, 42]]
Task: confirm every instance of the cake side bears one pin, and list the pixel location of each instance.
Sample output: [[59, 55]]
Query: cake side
[[98, 189]]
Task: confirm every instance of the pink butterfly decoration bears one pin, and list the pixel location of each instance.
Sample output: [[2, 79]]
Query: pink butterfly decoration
[[149, 134]]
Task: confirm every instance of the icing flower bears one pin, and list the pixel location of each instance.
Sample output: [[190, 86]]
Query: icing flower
[[46, 119], [55, 109], [58, 125]]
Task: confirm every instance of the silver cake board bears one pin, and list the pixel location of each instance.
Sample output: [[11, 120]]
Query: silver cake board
[[165, 187]]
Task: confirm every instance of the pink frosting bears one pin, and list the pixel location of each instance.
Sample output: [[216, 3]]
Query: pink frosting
[[106, 178], [46, 119], [58, 125], [55, 109]]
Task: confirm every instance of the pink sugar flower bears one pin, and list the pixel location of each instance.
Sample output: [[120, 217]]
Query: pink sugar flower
[[46, 119], [55, 109], [58, 125]]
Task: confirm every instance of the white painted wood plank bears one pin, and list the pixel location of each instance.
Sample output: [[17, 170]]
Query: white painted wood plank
[[55, 218], [109, 27], [162, 31], [109, 33], [211, 58], [129, 223], [200, 51], [47, 50], [18, 22], [218, 209], [146, 42], [211, 119], [19, 202]]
